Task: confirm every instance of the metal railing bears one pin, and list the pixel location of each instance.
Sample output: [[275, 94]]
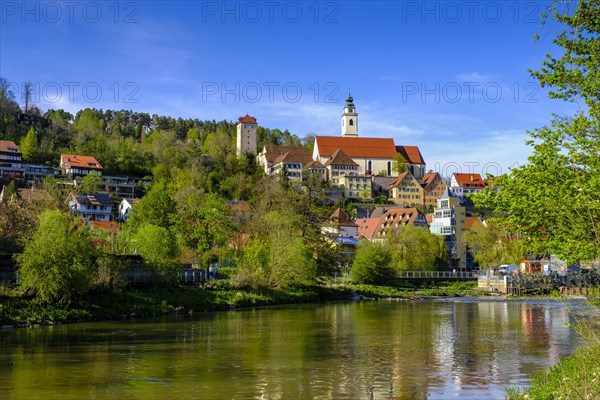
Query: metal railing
[[437, 274]]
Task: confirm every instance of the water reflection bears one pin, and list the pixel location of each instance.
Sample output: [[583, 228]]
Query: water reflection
[[368, 350]]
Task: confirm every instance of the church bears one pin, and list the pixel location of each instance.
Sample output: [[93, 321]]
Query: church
[[374, 156], [369, 156]]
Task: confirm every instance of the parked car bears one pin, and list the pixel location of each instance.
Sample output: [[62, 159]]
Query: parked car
[[507, 269]]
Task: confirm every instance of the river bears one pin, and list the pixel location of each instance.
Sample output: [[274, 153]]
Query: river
[[441, 349]]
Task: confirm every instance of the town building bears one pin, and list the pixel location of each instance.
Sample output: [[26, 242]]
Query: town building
[[314, 168], [340, 224], [271, 154], [246, 135], [78, 166], [374, 156], [385, 219], [9, 152], [289, 164], [125, 207], [12, 166], [433, 188], [407, 191], [414, 160], [449, 221], [461, 184], [97, 207]]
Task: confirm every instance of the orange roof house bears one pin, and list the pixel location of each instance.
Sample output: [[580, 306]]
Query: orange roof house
[[367, 227], [376, 228], [270, 154], [467, 181], [406, 190], [9, 151], [74, 164], [433, 188], [106, 226]]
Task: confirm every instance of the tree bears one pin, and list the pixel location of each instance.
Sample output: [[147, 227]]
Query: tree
[[553, 201], [400, 165], [58, 261], [491, 246], [156, 245], [29, 146], [27, 93], [414, 248], [372, 264], [90, 183]]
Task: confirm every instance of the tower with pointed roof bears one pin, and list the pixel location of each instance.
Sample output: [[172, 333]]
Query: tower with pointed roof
[[350, 119], [246, 135]]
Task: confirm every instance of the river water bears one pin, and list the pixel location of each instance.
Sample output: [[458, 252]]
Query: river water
[[443, 349]]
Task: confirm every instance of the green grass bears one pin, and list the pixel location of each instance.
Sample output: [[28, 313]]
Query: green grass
[[17, 310], [575, 377], [21, 311]]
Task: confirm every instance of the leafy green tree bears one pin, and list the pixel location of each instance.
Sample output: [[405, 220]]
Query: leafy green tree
[[157, 246], [58, 261], [554, 200], [414, 248], [29, 146], [400, 165], [90, 183], [157, 207], [10, 191], [491, 246], [372, 264]]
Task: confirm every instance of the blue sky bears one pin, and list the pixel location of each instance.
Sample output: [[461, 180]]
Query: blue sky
[[449, 76]]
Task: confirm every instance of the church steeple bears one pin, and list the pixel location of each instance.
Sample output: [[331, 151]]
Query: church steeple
[[349, 119]]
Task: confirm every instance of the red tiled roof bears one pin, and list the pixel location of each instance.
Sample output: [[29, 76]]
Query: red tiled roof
[[340, 158], [339, 217], [371, 227], [108, 226], [75, 160], [367, 227], [272, 152], [411, 154], [429, 218], [399, 179], [469, 180], [287, 157], [471, 222], [7, 146], [356, 147], [247, 119], [314, 164], [429, 177]]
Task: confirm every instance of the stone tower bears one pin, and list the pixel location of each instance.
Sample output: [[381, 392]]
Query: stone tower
[[349, 119], [246, 135]]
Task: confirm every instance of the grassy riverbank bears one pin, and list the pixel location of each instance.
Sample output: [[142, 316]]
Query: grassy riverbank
[[574, 377], [17, 310]]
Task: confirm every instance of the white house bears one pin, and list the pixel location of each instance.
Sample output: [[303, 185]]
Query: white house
[[125, 207], [449, 221], [97, 207]]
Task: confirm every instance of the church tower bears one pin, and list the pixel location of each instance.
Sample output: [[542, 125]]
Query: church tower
[[349, 119], [246, 135]]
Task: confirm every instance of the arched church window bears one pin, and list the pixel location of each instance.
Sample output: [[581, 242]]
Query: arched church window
[[351, 122]]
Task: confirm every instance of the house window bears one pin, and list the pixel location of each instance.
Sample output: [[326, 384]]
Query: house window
[[389, 168], [369, 166]]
